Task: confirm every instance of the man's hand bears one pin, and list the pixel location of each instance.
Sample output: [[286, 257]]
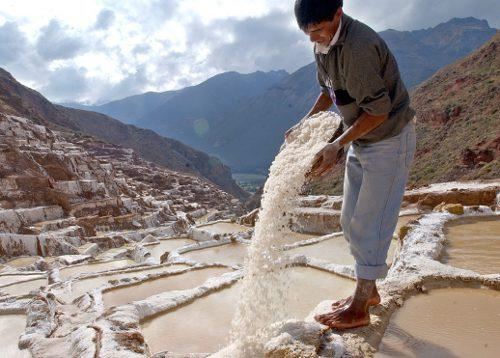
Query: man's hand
[[325, 159]]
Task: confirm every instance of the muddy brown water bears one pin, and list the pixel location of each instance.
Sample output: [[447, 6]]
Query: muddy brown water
[[22, 261], [23, 288], [224, 228], [158, 250], [474, 244], [80, 287], [446, 323], [206, 322], [229, 254], [293, 237], [73, 271], [11, 327], [335, 250], [138, 292], [10, 279]]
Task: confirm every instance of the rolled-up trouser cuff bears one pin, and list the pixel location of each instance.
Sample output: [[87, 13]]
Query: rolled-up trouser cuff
[[370, 272]]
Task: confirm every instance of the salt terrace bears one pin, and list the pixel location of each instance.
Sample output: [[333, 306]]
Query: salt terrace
[[118, 257]]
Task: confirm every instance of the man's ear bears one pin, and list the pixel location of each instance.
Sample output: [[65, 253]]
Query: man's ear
[[339, 11]]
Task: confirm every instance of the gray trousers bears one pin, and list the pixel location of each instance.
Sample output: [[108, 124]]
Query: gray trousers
[[374, 185]]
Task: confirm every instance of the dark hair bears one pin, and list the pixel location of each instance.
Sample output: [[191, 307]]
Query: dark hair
[[308, 12]]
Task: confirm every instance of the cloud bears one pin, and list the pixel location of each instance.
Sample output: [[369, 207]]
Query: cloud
[[105, 19], [263, 43], [66, 83], [141, 49], [165, 8], [419, 14], [12, 43], [133, 83], [157, 45], [54, 43]]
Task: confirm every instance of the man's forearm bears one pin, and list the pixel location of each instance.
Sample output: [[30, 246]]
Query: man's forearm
[[363, 125], [323, 103]]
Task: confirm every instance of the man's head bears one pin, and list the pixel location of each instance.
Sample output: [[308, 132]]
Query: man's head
[[319, 19]]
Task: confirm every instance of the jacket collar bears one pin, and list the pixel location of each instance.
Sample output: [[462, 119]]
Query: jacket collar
[[346, 24]]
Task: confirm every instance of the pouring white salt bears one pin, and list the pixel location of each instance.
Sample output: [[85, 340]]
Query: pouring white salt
[[264, 295]]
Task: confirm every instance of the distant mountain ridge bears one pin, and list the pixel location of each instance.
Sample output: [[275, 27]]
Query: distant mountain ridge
[[233, 86], [20, 100], [129, 109], [246, 129], [421, 53]]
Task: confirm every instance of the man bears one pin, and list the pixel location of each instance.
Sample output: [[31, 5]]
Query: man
[[357, 71]]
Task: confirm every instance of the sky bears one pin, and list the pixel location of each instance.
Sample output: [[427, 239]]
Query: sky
[[95, 51]]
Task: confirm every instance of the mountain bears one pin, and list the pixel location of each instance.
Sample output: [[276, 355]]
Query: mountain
[[200, 104], [421, 53], [192, 114], [129, 110], [19, 100], [242, 118], [251, 134], [459, 119], [458, 123]]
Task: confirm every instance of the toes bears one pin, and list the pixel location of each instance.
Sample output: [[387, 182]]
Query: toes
[[327, 319], [322, 318]]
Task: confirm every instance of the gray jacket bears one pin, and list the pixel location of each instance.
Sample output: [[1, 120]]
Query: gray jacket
[[361, 74]]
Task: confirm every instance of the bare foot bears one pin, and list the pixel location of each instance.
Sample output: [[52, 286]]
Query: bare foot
[[344, 318], [372, 301]]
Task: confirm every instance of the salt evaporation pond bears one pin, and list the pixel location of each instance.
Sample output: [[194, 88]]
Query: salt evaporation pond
[[157, 250], [293, 237], [9, 279], [76, 270], [80, 287], [229, 254], [208, 319], [23, 288], [223, 228], [335, 250], [138, 292], [458, 322], [11, 327], [474, 244], [23, 261]]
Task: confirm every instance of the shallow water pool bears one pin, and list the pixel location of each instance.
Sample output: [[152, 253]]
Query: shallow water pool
[[458, 322]]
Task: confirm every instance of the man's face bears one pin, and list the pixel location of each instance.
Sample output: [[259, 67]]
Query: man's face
[[322, 33]]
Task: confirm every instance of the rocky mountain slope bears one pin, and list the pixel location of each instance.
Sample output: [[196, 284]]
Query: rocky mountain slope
[[459, 119], [60, 191], [458, 123], [22, 101], [246, 129]]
